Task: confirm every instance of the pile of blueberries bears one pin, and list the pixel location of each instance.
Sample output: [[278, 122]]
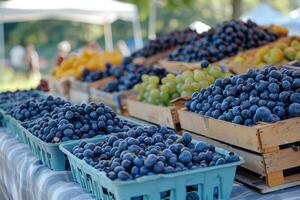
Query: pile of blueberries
[[224, 41], [92, 76], [267, 95], [166, 42], [73, 122], [35, 108], [127, 75], [11, 97], [148, 150]]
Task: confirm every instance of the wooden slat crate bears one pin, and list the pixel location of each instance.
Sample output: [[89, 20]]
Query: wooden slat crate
[[152, 59], [79, 92], [270, 150], [60, 87], [117, 100], [178, 67], [155, 114]]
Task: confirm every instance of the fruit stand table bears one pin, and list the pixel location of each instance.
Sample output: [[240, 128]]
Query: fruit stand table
[[22, 176]]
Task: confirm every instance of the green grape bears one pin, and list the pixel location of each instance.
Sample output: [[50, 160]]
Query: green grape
[[187, 87], [179, 88], [164, 80], [203, 84], [146, 95], [145, 78], [165, 98], [189, 80], [171, 86], [186, 93], [179, 79], [175, 95], [210, 79], [153, 80], [171, 77], [157, 101], [150, 87], [215, 72], [199, 75], [196, 86], [164, 88], [187, 74], [154, 93], [139, 89]]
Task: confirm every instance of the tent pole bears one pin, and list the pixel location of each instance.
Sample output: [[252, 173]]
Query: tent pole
[[152, 19], [137, 33], [108, 37], [2, 45]]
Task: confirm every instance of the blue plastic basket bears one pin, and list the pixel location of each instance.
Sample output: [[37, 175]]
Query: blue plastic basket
[[209, 183], [49, 153], [12, 125]]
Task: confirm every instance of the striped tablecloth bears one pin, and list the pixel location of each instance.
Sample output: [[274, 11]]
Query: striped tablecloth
[[23, 177]]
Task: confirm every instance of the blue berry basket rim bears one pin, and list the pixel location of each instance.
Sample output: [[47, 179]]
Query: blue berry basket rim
[[261, 124], [69, 144]]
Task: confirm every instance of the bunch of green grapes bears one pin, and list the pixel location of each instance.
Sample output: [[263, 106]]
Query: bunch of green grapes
[[160, 92]]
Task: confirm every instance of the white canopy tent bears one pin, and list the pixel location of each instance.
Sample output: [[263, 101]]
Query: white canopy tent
[[292, 22], [103, 12], [263, 14]]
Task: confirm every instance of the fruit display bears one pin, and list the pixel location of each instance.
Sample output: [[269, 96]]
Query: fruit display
[[167, 42], [91, 60], [128, 74], [19, 95], [267, 95], [225, 40], [158, 91], [149, 150], [277, 53], [73, 122]]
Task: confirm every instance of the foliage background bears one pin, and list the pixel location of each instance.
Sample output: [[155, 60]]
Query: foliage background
[[171, 14]]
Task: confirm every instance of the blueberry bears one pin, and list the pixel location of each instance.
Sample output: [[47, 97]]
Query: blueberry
[[123, 175], [150, 160], [88, 153], [185, 156], [295, 98], [237, 120], [294, 110]]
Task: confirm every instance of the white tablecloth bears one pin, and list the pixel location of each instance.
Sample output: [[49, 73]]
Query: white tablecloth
[[23, 177]]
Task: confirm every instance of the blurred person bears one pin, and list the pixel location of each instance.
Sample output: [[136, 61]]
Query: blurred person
[[93, 46], [17, 56], [64, 48], [32, 60], [123, 48]]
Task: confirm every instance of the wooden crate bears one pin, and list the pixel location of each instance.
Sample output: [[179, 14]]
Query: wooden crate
[[152, 59], [79, 92], [60, 87], [268, 149], [117, 100], [178, 67], [155, 114]]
